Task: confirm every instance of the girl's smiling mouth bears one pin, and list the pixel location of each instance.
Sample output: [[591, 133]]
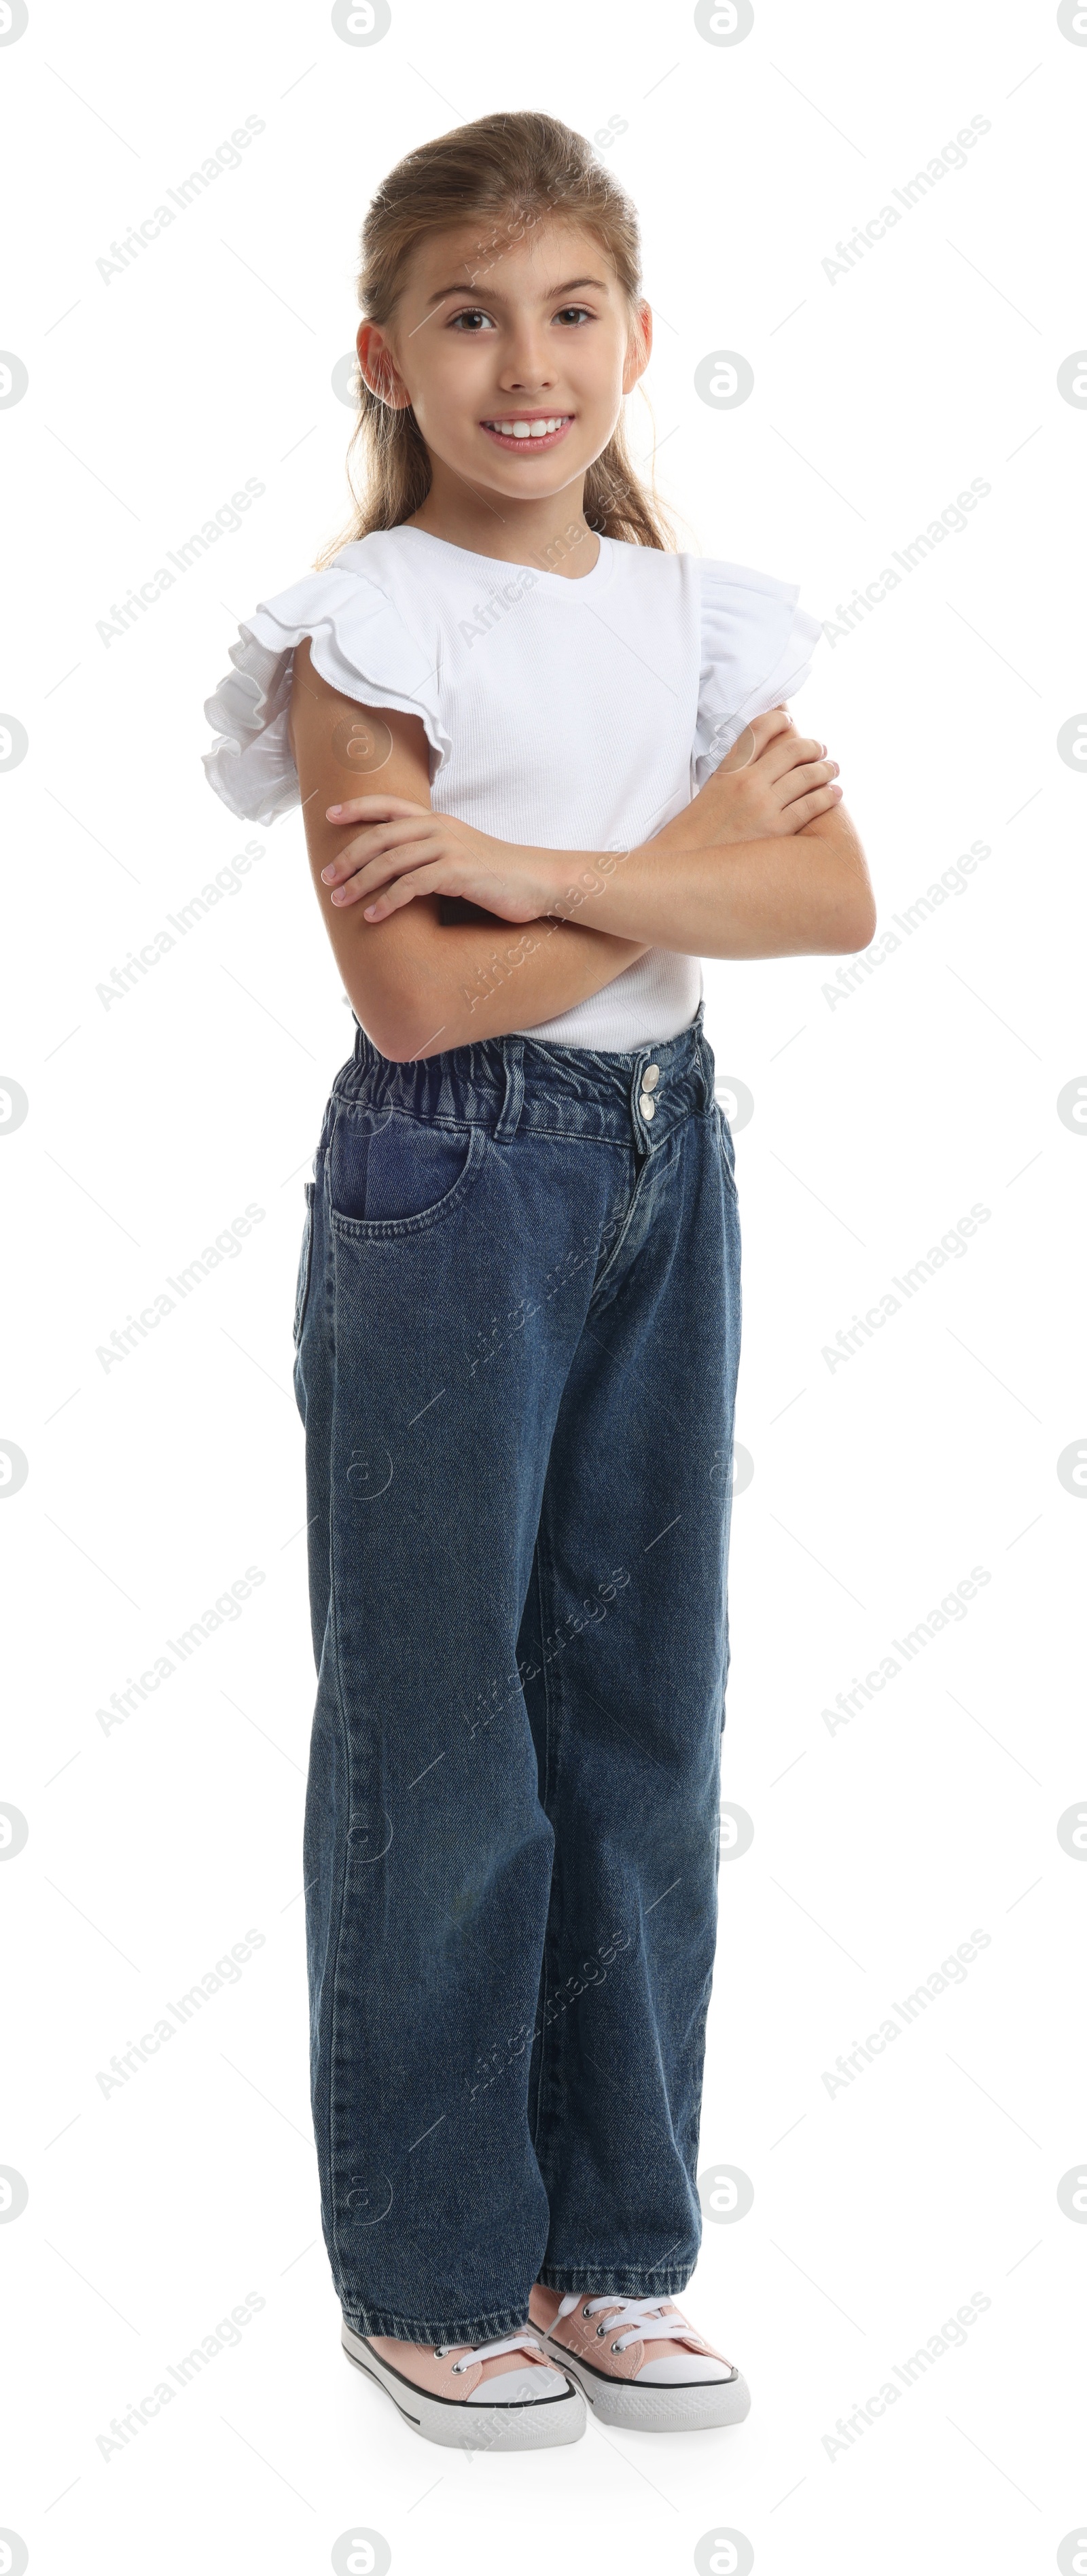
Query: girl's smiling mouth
[[527, 429]]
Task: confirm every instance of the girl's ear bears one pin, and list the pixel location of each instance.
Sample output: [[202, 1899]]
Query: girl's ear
[[379, 369], [641, 343]]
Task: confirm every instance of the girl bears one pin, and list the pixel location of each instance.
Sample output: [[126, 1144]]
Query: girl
[[545, 764]]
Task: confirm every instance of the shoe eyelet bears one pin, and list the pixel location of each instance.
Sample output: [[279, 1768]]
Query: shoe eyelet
[[600, 2330], [586, 2312], [616, 2347]]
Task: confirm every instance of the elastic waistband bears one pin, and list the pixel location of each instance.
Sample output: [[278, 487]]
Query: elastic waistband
[[517, 1084]]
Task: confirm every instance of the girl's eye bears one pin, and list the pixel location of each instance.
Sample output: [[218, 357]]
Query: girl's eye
[[472, 320], [574, 313]]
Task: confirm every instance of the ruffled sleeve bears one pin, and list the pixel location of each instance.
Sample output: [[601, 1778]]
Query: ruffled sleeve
[[757, 649], [360, 644]]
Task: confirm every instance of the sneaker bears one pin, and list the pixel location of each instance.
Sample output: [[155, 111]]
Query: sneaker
[[638, 2361], [474, 2396]]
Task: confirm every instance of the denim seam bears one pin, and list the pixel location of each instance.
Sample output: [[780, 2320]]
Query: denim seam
[[624, 1230], [526, 1127], [349, 1788], [620, 2282], [551, 1758], [303, 1288], [400, 1109], [729, 1174], [435, 2330], [579, 1136], [534, 2060], [698, 2061]]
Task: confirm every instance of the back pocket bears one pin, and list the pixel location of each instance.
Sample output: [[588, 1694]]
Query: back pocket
[[390, 1173]]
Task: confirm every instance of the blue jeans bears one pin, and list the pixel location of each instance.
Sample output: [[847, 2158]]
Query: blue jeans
[[517, 1336]]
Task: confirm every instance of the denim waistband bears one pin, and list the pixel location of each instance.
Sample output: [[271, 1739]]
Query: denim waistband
[[516, 1084]]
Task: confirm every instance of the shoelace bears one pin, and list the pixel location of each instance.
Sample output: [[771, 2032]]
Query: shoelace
[[635, 2314], [490, 2351]]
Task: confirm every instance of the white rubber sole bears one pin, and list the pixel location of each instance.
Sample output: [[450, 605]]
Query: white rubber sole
[[539, 2425], [656, 2410]]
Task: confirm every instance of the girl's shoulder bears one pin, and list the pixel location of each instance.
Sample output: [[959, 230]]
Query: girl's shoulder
[[366, 583], [754, 642], [747, 618], [757, 649], [366, 639]]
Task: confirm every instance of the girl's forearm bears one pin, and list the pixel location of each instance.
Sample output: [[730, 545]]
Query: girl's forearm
[[440, 985], [802, 894], [522, 974]]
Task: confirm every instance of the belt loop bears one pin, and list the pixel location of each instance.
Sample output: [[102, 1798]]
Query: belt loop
[[513, 1050]]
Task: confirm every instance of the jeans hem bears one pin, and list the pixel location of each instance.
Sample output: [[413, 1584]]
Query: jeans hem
[[435, 2330], [598, 2282]]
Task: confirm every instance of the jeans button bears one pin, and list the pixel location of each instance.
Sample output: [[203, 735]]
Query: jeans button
[[647, 1105], [651, 1077]]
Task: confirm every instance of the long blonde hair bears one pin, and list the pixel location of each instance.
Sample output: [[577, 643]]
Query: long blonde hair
[[507, 172]]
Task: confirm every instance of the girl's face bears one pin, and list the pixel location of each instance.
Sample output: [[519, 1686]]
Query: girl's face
[[514, 346]]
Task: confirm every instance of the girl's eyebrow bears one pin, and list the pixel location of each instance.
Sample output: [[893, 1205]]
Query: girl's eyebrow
[[472, 288]]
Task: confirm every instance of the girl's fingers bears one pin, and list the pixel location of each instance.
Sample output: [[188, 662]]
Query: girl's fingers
[[751, 743], [403, 890], [393, 834], [394, 861], [741, 753], [791, 751], [820, 802], [777, 720], [439, 878], [813, 773]]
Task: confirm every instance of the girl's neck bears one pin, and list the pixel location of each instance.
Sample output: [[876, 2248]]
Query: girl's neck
[[549, 534]]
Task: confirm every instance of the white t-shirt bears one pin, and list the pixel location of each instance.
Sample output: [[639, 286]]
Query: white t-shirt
[[567, 714]]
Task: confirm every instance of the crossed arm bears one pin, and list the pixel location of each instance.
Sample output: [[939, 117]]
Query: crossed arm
[[764, 862]]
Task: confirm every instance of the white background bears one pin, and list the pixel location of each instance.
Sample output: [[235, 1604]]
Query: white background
[[878, 1483]]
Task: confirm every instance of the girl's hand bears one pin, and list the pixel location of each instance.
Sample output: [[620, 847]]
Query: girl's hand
[[769, 785], [404, 850]]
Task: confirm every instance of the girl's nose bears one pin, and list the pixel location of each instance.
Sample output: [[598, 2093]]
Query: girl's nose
[[527, 370]]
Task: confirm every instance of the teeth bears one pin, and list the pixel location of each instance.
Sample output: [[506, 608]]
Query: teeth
[[527, 428]]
